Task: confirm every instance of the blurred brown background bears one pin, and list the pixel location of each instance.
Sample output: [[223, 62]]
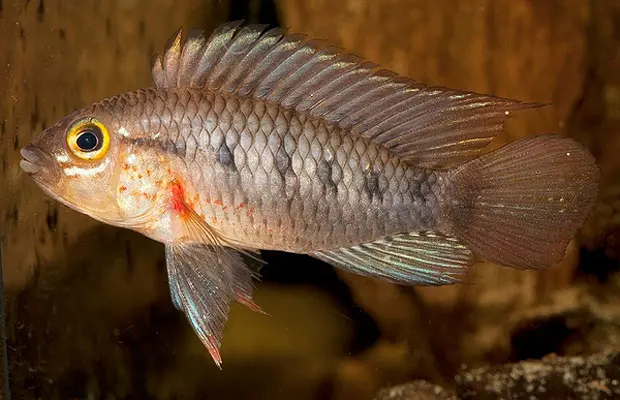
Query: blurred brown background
[[88, 310]]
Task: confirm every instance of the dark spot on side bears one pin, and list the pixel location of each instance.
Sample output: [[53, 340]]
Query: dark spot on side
[[226, 157], [61, 34], [108, 27], [324, 173], [15, 142], [52, 218], [371, 186], [283, 162], [1, 9], [141, 28], [40, 11], [4, 164], [177, 148], [180, 148], [2, 126]]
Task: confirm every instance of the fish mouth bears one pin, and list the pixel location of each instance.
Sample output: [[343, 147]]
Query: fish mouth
[[37, 164]]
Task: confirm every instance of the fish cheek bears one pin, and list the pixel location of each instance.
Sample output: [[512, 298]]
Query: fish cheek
[[139, 189], [86, 186]]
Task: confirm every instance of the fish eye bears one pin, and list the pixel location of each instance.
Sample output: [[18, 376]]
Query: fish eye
[[88, 139]]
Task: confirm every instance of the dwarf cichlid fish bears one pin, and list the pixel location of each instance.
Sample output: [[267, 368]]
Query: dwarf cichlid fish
[[253, 138]]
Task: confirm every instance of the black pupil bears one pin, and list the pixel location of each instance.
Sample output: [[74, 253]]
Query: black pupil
[[87, 141]]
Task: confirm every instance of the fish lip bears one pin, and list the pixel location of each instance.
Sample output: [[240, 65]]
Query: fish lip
[[29, 167], [38, 164]]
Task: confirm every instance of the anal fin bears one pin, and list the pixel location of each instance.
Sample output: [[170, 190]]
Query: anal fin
[[409, 258]]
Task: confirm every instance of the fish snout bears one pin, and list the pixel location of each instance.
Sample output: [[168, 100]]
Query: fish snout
[[36, 162]]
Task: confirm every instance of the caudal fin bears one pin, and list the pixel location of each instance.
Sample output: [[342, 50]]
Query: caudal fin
[[520, 205]]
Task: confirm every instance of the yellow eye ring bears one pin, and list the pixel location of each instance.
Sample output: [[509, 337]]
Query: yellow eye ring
[[88, 139]]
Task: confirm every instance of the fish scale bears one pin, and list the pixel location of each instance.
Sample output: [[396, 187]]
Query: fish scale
[[253, 138], [246, 127]]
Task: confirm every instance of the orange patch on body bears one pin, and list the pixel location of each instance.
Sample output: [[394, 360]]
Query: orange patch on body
[[214, 220], [122, 188]]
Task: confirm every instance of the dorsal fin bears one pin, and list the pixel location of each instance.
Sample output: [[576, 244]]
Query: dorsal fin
[[429, 126]]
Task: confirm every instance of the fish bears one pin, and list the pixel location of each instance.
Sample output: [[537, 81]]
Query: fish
[[253, 138]]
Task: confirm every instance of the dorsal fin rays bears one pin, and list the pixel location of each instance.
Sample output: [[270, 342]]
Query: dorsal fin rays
[[432, 126]]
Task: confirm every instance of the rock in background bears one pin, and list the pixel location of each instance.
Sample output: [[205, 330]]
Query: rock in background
[[88, 306]]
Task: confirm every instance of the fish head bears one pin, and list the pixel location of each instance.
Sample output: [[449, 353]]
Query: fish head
[[75, 162]]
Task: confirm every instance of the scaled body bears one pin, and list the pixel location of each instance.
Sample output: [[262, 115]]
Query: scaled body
[[257, 139], [268, 177]]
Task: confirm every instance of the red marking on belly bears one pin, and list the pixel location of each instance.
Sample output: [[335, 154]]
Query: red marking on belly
[[122, 188], [214, 220], [241, 205], [178, 198], [218, 203]]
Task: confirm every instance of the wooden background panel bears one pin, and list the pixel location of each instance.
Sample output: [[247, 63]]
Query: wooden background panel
[[530, 50], [59, 55]]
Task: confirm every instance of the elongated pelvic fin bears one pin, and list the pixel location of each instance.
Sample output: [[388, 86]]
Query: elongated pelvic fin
[[206, 273], [429, 126], [203, 286], [520, 205], [411, 258]]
